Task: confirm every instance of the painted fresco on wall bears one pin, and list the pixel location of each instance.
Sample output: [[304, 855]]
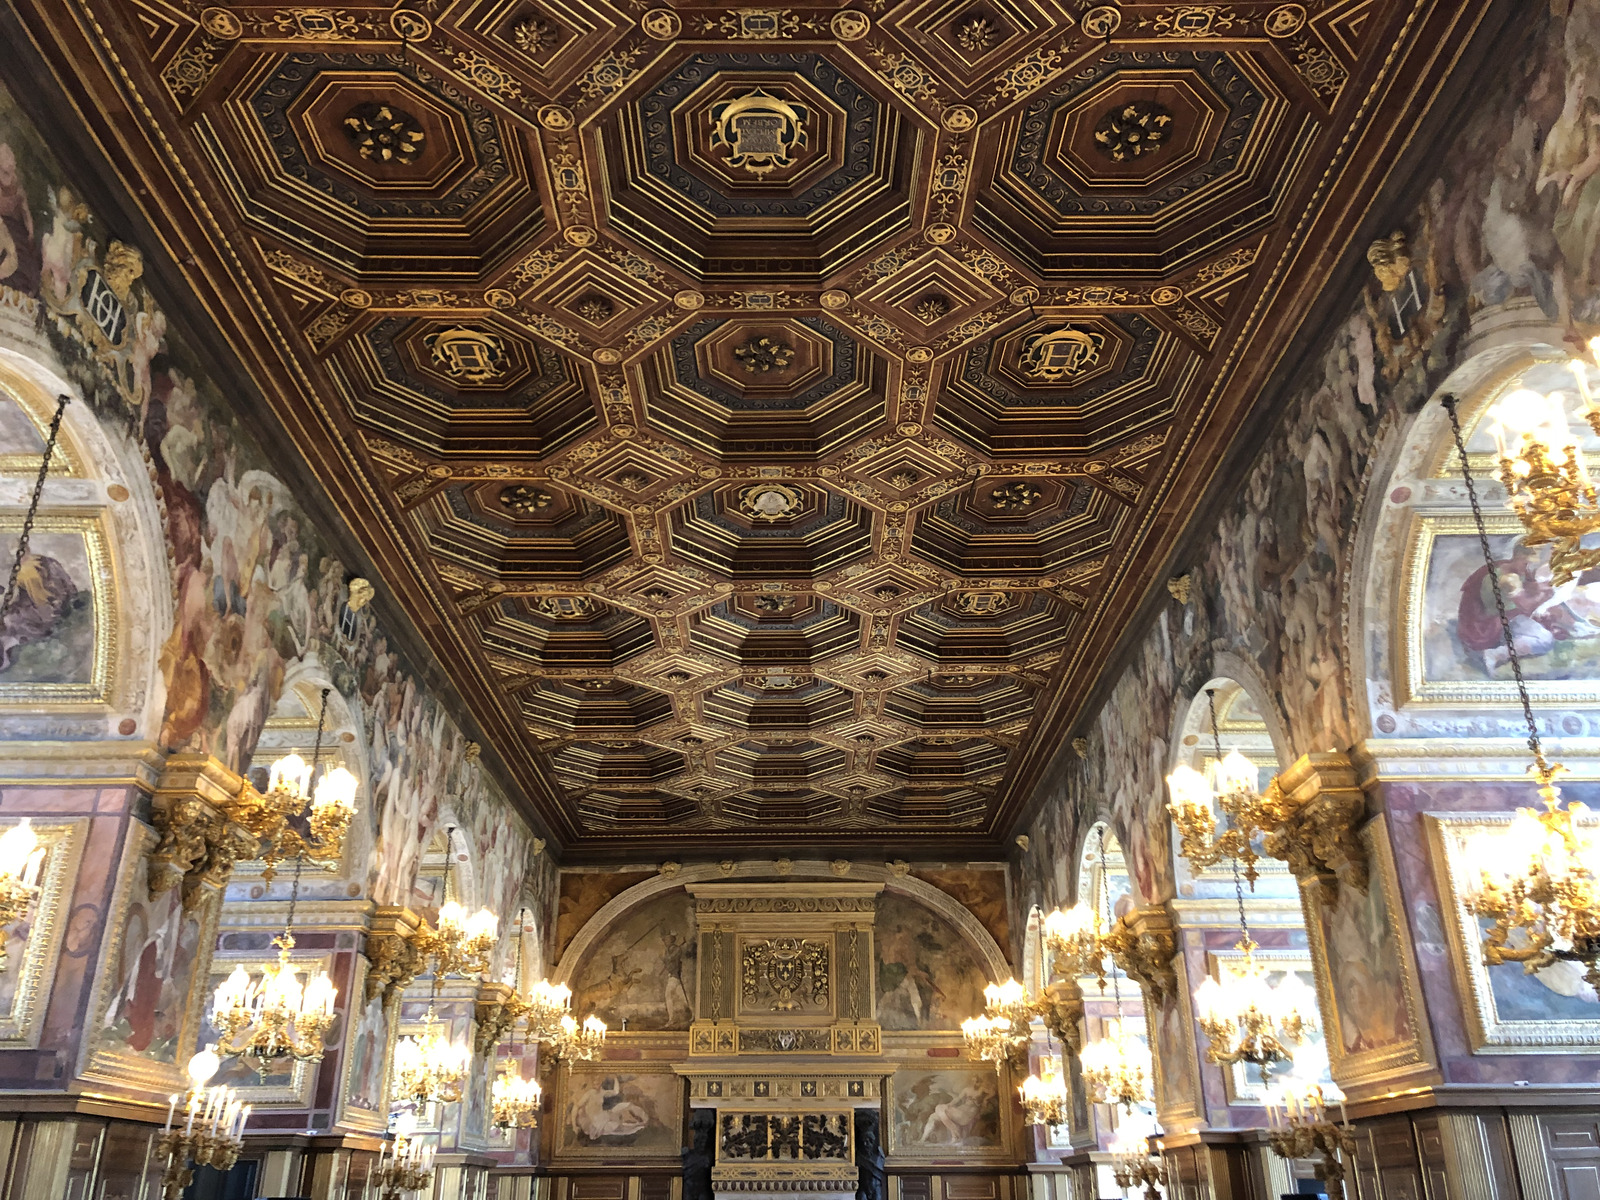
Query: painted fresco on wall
[[642, 970], [584, 893], [982, 892], [260, 598], [150, 978], [1556, 629], [49, 634], [1364, 966], [365, 1093], [928, 976], [610, 1112], [945, 1113]]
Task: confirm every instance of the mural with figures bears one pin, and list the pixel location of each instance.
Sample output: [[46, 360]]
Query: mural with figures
[[929, 976], [945, 1112], [641, 973], [260, 599]]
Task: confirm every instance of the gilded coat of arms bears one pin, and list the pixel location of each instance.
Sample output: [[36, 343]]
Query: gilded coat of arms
[[1061, 354], [762, 132], [791, 970]]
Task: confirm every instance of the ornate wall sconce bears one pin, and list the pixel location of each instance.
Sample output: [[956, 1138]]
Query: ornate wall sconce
[[210, 819]]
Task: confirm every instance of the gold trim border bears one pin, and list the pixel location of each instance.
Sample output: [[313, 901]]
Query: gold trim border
[[97, 692], [64, 842]]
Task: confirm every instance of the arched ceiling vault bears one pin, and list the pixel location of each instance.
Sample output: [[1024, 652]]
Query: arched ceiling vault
[[769, 416]]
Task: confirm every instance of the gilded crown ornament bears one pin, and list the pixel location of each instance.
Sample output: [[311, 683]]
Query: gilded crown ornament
[[1538, 885]]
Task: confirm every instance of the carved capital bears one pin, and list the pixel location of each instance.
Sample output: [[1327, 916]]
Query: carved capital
[[200, 841], [1144, 943], [1324, 810], [496, 1009], [395, 962], [1061, 1009]]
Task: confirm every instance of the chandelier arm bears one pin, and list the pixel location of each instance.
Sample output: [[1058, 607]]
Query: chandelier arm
[[1534, 744], [33, 507]]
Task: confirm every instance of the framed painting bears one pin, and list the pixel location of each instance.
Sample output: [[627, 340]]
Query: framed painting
[[286, 1082], [63, 621], [1553, 1011], [1373, 1022], [146, 1011], [1454, 649], [606, 1113], [370, 1028], [947, 1114], [33, 944]]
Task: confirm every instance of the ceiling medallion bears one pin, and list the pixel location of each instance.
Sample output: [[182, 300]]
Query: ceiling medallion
[[770, 501], [778, 681], [774, 604], [1129, 130], [521, 498], [763, 355], [1101, 22], [468, 354], [562, 608], [1015, 496], [1061, 354], [384, 133], [987, 604], [976, 34], [1285, 20], [849, 25], [761, 131]]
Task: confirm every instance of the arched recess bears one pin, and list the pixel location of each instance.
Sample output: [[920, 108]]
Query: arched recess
[[1432, 658], [103, 600], [658, 886]]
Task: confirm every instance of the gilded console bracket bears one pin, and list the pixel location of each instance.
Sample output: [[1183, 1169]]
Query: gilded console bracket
[[1319, 838], [395, 960], [1061, 1008], [496, 1009], [200, 841], [1144, 943]]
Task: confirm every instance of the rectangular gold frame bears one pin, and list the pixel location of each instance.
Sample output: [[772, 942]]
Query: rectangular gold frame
[[1487, 1031], [345, 1115], [57, 697], [63, 842], [1411, 684], [565, 1152], [894, 1151], [127, 1070], [297, 1093], [1388, 1063]]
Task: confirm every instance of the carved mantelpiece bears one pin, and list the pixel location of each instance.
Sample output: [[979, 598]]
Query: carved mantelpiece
[[786, 969]]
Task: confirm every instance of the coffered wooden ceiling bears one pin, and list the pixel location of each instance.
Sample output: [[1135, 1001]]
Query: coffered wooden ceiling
[[771, 416]]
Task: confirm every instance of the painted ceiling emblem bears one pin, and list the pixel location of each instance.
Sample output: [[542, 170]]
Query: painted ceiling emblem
[[524, 499], [384, 133], [1285, 20], [1101, 22], [760, 355], [762, 132], [471, 355], [1130, 130], [1059, 355], [983, 604], [566, 608], [771, 501]]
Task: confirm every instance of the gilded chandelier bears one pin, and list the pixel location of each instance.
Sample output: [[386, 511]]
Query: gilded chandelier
[[20, 859], [407, 1166], [1117, 1067], [515, 1100], [1300, 1125], [431, 1067], [1229, 784], [1136, 1156], [572, 1042], [209, 1132], [1539, 884], [546, 1004], [1044, 1096], [1554, 497], [460, 945], [276, 1016], [327, 808]]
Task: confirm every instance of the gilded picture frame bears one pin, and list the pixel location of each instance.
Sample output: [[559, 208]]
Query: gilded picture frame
[[95, 692], [654, 1133], [293, 1092], [348, 1115], [99, 1059], [32, 965], [900, 1086], [1389, 1063], [1412, 684], [1502, 1003]]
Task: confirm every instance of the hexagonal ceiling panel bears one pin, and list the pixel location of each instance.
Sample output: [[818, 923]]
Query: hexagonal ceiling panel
[[771, 418]]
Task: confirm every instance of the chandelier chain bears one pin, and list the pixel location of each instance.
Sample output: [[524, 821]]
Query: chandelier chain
[[33, 506], [300, 859], [1105, 907], [1216, 746], [1534, 743]]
